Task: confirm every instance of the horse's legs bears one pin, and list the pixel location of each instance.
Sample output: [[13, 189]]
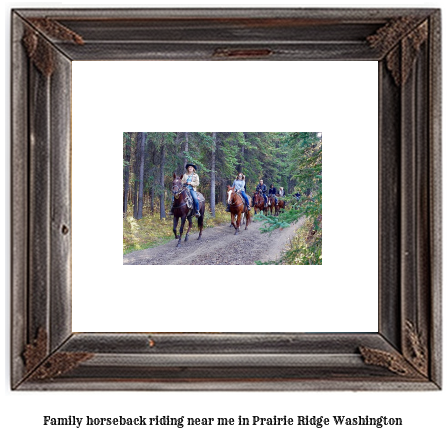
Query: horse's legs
[[238, 222], [232, 220], [182, 224], [175, 226], [189, 227]]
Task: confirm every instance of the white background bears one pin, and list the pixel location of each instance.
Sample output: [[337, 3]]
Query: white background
[[22, 413], [339, 296]]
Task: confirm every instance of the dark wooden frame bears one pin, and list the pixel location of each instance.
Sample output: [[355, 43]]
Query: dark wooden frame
[[405, 354]]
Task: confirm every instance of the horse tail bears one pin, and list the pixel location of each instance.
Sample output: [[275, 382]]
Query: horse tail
[[200, 220]]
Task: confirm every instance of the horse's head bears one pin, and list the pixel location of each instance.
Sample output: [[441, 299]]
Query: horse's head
[[230, 194], [258, 198], [177, 185]]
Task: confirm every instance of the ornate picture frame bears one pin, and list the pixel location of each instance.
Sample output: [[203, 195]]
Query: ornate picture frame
[[405, 353]]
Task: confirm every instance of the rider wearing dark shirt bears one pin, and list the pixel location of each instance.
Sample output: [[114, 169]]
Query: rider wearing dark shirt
[[272, 191], [261, 187]]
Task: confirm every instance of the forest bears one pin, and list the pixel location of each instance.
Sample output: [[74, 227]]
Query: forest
[[292, 160]]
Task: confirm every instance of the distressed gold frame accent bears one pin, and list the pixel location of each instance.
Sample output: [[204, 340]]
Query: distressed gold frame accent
[[405, 354]]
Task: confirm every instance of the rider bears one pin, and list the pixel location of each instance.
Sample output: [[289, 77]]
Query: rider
[[272, 191], [239, 186], [191, 181], [281, 192], [261, 187]]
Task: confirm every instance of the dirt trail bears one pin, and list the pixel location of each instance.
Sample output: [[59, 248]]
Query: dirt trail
[[218, 246]]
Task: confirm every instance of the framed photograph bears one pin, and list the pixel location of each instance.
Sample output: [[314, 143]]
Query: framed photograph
[[228, 171], [49, 352]]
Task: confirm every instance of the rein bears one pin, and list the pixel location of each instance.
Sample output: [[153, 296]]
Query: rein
[[177, 194]]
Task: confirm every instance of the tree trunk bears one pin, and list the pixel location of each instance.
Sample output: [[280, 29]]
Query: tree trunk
[[241, 161], [290, 186], [126, 176], [186, 150], [213, 177], [152, 198], [162, 179], [141, 144], [135, 186], [135, 200], [223, 191]]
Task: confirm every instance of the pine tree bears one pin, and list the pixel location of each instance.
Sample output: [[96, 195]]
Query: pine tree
[[305, 166]]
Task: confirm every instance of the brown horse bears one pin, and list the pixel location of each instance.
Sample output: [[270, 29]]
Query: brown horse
[[181, 210], [237, 208], [259, 203], [281, 205], [272, 205]]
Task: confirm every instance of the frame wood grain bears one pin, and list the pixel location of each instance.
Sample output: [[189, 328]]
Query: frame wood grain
[[405, 354]]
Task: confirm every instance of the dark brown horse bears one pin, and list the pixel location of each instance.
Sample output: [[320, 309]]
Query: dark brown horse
[[181, 210], [237, 208], [272, 205], [259, 203]]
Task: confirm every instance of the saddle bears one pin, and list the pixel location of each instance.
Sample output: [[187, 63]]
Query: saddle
[[190, 201], [243, 199]]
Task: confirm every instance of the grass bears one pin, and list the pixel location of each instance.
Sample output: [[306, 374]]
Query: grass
[[305, 248], [152, 231]]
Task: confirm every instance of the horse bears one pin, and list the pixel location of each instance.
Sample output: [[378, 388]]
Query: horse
[[281, 205], [251, 205], [237, 208], [273, 205], [181, 210], [259, 203]]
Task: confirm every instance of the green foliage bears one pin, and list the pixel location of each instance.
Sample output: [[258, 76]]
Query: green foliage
[[304, 249], [305, 164], [304, 151], [306, 246], [228, 153], [198, 159], [271, 223]]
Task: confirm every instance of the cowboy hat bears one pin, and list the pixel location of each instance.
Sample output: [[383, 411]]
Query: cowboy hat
[[189, 164]]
